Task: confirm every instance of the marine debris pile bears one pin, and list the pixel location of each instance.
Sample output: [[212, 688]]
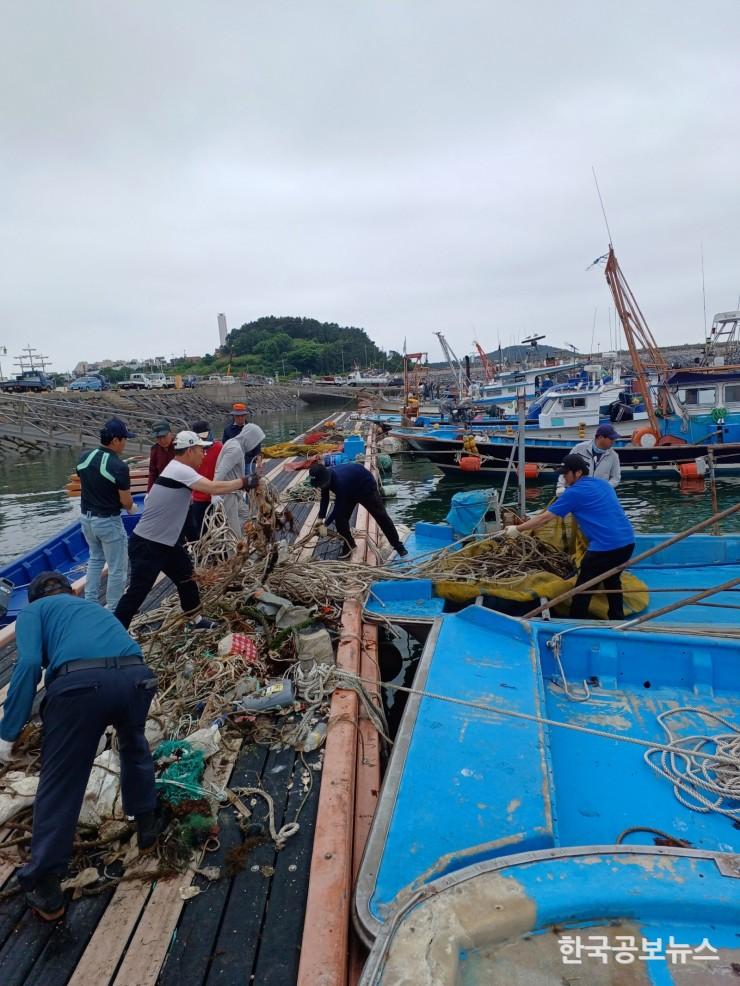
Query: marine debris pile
[[265, 676]]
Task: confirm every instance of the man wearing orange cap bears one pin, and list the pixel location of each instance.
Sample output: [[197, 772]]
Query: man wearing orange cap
[[239, 415]]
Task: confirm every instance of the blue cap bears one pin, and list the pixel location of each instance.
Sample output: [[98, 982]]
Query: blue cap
[[118, 429], [606, 431]]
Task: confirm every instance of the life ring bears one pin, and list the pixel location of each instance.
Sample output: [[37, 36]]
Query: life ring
[[672, 440], [719, 414], [645, 437]]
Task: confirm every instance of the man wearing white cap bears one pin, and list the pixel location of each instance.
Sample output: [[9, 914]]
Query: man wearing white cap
[[157, 544]]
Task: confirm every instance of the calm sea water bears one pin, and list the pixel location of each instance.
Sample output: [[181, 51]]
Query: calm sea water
[[34, 504]]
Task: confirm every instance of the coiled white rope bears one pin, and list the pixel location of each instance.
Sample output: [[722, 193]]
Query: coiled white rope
[[317, 684], [704, 770], [278, 836]]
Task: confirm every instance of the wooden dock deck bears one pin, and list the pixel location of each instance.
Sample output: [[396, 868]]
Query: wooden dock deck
[[248, 926]]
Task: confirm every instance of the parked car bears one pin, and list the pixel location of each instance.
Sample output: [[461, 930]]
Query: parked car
[[86, 383], [30, 381]]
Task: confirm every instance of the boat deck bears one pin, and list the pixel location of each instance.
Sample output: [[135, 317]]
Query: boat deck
[[247, 926]]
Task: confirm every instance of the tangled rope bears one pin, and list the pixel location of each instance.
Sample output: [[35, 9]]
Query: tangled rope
[[701, 782], [503, 560]]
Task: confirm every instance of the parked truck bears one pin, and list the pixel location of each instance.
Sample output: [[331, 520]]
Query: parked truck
[[137, 381], [30, 381]]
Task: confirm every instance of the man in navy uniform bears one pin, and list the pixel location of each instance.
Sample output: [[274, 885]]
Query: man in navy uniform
[[352, 485], [95, 677]]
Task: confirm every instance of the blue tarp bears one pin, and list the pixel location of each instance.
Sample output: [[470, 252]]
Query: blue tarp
[[467, 512]]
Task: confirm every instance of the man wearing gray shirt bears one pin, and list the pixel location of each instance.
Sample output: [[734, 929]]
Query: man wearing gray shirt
[[157, 544], [602, 460]]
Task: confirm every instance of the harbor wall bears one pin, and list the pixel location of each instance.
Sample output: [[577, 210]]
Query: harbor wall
[[33, 422]]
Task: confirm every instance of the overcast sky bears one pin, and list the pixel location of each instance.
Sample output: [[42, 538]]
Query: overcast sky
[[401, 166]]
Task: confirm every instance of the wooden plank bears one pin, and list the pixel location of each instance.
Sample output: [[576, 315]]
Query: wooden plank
[[239, 935], [190, 955], [61, 953], [152, 937], [100, 959], [280, 947], [134, 910], [22, 948]]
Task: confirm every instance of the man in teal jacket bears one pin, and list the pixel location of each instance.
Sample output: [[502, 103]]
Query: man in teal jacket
[[95, 677]]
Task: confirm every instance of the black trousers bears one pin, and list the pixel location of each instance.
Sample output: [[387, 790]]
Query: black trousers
[[146, 560], [194, 522], [76, 711], [375, 507], [595, 563]]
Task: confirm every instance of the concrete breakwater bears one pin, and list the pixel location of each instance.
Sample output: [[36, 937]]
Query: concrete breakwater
[[33, 422]]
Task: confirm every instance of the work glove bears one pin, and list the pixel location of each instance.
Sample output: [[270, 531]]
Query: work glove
[[250, 482], [320, 529], [215, 500], [133, 509], [511, 531], [6, 751]]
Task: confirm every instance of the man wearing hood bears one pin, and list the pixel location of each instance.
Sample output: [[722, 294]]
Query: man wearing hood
[[237, 459]]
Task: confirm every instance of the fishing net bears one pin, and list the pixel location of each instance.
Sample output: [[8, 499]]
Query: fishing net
[[526, 569], [180, 780], [285, 449]]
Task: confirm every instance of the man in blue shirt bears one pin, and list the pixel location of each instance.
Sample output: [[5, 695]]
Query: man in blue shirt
[[352, 485], [599, 514], [95, 677]]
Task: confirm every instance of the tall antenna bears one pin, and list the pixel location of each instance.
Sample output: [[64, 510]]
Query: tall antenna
[[593, 331], [601, 201], [703, 288]]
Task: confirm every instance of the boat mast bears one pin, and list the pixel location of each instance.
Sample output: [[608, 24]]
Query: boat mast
[[643, 349], [454, 364]]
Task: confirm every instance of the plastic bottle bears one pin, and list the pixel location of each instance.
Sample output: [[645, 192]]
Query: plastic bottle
[[315, 738], [275, 695]]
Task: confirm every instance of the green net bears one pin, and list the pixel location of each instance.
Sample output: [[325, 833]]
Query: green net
[[179, 780]]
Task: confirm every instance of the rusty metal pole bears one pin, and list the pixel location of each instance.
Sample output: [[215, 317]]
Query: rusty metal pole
[[713, 489]]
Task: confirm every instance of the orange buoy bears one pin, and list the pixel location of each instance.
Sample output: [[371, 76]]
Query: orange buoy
[[531, 470], [470, 463], [689, 470], [645, 437]]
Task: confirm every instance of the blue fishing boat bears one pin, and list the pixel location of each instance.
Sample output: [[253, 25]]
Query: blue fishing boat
[[700, 416], [671, 575], [529, 808], [65, 552]]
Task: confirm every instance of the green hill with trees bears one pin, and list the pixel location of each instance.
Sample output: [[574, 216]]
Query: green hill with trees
[[292, 346]]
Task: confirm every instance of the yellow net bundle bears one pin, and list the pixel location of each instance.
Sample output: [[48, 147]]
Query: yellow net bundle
[[285, 449], [528, 568]]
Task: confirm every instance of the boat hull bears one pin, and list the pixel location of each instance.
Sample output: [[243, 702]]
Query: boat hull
[[65, 552], [662, 460], [545, 917], [519, 766]]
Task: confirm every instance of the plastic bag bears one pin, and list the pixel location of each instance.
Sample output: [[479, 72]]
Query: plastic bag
[[18, 792], [314, 647], [102, 798]]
